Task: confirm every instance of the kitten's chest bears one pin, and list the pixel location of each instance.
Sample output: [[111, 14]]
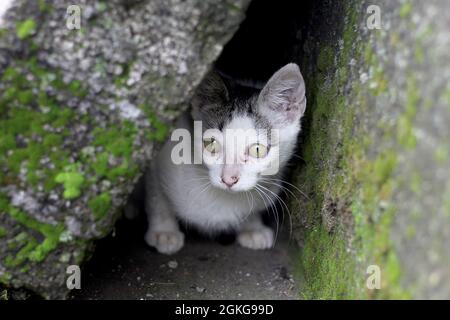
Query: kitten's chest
[[211, 209]]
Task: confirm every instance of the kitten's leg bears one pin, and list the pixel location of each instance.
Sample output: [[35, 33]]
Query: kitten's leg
[[163, 231], [254, 234]]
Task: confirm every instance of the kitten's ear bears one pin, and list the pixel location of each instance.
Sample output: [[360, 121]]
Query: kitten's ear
[[283, 100], [210, 93]]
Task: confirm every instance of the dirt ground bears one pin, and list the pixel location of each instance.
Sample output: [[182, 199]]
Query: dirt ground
[[124, 267]]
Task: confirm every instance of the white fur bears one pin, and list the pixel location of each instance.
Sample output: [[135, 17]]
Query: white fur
[[196, 194]]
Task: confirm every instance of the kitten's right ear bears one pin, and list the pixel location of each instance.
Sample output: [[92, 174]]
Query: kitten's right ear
[[210, 93]]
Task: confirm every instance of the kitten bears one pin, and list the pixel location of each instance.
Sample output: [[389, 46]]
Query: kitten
[[228, 190]]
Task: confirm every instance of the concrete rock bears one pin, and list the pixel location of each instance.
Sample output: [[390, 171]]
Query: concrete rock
[[376, 151], [81, 113]]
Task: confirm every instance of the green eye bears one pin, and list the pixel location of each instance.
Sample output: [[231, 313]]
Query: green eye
[[257, 150], [211, 145]]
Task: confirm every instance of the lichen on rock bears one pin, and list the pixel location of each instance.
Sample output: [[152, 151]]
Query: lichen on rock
[[81, 114], [373, 134]]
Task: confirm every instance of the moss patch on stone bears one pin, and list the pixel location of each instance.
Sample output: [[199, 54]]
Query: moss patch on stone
[[25, 28], [349, 216], [3, 232], [72, 180], [32, 126], [30, 248], [35, 151], [160, 130], [100, 205], [326, 267]]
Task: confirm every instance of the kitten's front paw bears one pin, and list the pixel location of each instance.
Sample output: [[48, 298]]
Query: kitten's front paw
[[257, 239], [166, 242]]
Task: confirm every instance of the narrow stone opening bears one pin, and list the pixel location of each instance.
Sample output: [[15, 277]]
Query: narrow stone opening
[[124, 267]]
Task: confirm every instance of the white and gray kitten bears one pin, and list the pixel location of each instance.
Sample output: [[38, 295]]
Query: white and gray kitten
[[219, 194]]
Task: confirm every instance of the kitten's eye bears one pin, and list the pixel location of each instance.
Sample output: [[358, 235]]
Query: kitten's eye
[[211, 145], [257, 150]]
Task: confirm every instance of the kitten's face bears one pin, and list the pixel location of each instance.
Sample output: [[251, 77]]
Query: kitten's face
[[240, 154], [246, 141]]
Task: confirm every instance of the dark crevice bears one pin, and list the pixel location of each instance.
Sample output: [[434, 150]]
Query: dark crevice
[[271, 36]]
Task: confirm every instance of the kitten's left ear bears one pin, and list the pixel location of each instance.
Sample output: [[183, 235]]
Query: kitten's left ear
[[283, 100]]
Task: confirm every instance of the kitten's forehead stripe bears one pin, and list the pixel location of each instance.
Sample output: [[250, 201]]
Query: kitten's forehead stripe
[[218, 116], [242, 102]]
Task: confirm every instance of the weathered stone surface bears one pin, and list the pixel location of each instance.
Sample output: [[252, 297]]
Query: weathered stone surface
[[80, 113], [376, 151]]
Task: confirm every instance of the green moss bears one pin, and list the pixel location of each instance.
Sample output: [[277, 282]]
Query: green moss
[[339, 172], [160, 130], [416, 183], [77, 89], [3, 232], [34, 126], [441, 154], [100, 205], [117, 141], [32, 251], [26, 110], [405, 10], [25, 28], [325, 58], [121, 80], [419, 53], [123, 170], [22, 255], [52, 140], [405, 129], [327, 268], [3, 32], [44, 6], [379, 83], [5, 277], [72, 180], [101, 165], [51, 233]]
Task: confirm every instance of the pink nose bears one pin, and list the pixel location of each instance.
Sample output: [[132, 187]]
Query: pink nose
[[230, 181]]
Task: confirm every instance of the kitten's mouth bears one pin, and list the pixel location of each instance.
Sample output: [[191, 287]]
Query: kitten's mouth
[[231, 189]]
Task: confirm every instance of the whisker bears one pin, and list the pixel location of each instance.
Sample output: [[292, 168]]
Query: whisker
[[284, 189], [283, 204], [275, 213], [289, 184]]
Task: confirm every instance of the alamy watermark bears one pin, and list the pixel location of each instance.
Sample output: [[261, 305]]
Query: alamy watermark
[[373, 21], [74, 277], [73, 17], [373, 281]]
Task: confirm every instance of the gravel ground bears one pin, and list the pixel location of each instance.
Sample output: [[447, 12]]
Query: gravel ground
[[125, 268]]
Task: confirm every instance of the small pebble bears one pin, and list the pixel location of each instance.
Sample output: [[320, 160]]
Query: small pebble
[[200, 289], [172, 264]]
